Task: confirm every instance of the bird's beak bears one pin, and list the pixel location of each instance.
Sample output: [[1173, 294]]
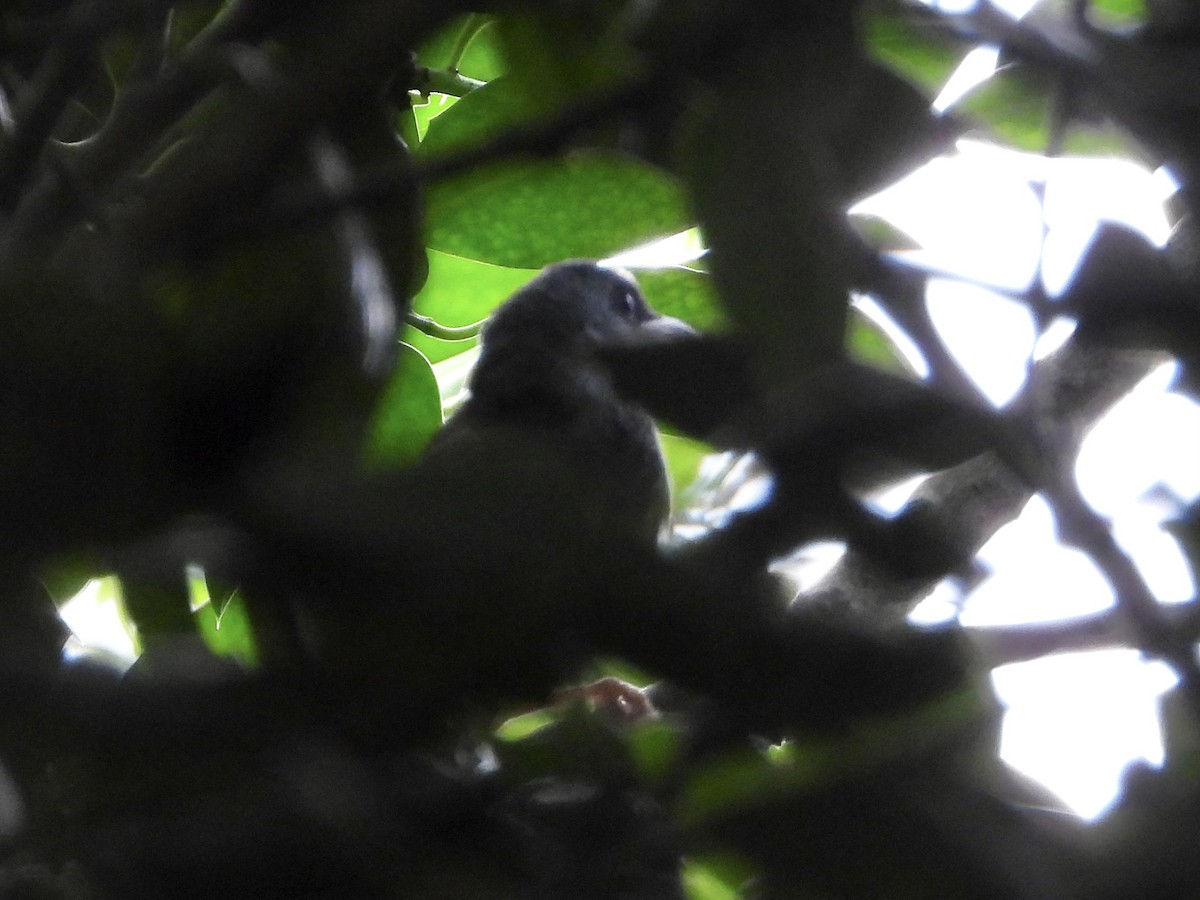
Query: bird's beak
[[662, 328]]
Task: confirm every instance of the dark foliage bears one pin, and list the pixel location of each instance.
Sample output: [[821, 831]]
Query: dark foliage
[[232, 238]]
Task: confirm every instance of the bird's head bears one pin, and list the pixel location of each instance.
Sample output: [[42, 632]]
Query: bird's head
[[540, 343], [576, 306]]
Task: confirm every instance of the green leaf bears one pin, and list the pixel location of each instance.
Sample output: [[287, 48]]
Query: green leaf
[[768, 207], [118, 55], [656, 748], [520, 727], [912, 51], [1116, 13], [65, 577], [1105, 138], [189, 19], [557, 52], [1014, 104], [881, 234], [409, 413], [527, 214], [721, 786], [713, 877], [482, 59], [460, 292], [685, 294], [869, 343], [701, 884], [228, 634], [683, 456], [563, 741], [484, 113], [424, 112]]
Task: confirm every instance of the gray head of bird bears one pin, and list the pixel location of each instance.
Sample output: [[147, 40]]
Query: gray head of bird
[[576, 306]]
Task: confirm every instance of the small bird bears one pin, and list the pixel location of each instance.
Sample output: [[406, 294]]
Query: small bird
[[539, 385], [474, 578], [538, 377]]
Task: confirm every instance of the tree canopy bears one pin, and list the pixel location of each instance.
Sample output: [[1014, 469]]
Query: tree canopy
[[246, 251]]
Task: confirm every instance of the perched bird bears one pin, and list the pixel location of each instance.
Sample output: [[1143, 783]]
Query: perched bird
[[537, 378], [479, 572]]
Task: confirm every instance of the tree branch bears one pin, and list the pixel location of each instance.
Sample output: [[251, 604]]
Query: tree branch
[[445, 81], [1074, 387], [62, 70], [471, 27], [135, 123], [435, 329], [1006, 644], [343, 51]]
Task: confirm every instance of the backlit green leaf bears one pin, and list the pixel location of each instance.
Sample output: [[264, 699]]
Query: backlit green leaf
[[913, 52], [1014, 104], [684, 293], [528, 214], [656, 747], [715, 878], [484, 113], [481, 59], [869, 343], [683, 456], [1118, 12], [558, 52], [460, 292], [228, 634], [409, 413]]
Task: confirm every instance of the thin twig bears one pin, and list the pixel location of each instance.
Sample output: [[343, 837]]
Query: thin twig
[[346, 51], [1006, 644], [8, 124], [152, 44], [1079, 526], [134, 125], [62, 70], [445, 81], [474, 23], [435, 329], [900, 290]]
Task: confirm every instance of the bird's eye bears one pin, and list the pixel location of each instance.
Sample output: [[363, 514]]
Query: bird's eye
[[625, 304]]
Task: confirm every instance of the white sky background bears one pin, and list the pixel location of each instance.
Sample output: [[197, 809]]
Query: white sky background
[[1074, 721]]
